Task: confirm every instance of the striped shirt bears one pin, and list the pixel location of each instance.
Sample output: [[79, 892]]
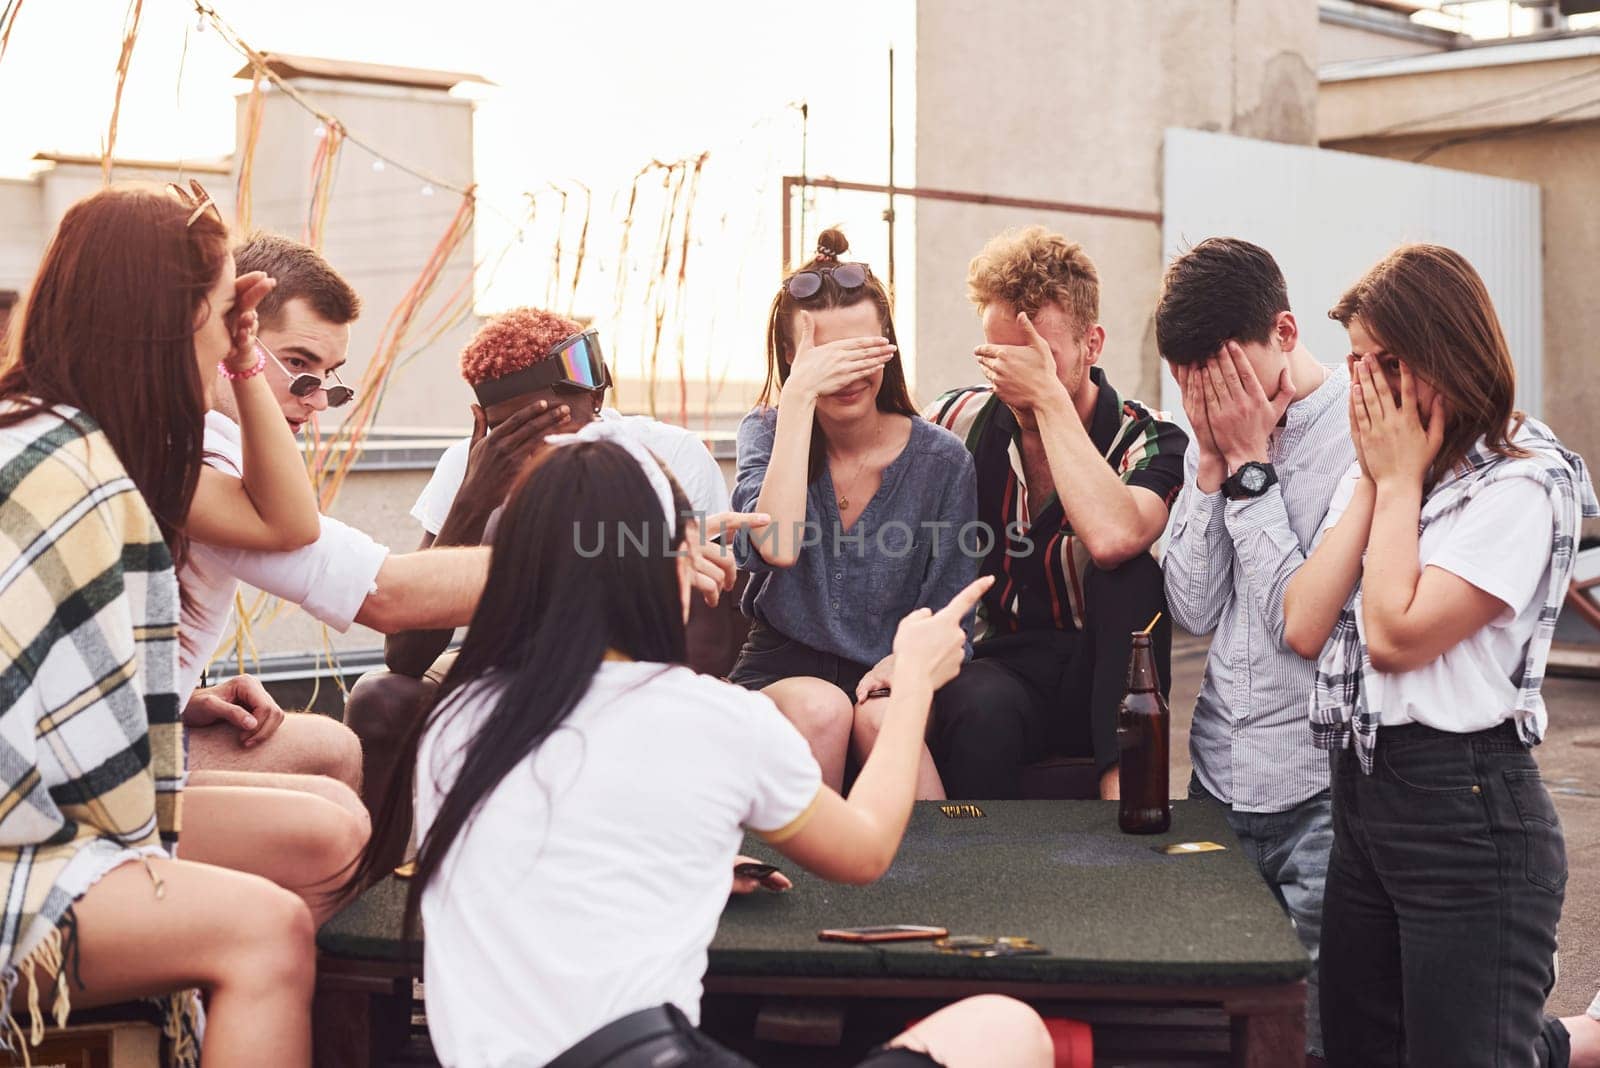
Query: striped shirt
[[90, 742], [1036, 559], [1227, 565]]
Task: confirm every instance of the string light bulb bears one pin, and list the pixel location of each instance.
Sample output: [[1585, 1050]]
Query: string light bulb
[[427, 190], [377, 165], [320, 132]]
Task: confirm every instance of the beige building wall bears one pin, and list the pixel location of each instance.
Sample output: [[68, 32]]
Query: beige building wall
[[1562, 158], [1067, 102], [21, 236], [1339, 44], [31, 208]]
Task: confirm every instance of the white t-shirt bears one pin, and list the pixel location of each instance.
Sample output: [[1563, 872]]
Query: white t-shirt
[[591, 880], [682, 451], [1500, 543], [330, 578]]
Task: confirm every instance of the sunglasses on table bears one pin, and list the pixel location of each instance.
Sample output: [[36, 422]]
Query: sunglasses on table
[[303, 385], [575, 365], [805, 284]]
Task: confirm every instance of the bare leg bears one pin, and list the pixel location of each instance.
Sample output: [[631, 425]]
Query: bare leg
[[320, 785], [297, 840], [981, 1031], [821, 712], [247, 943], [1111, 784], [864, 735], [305, 743], [382, 709]]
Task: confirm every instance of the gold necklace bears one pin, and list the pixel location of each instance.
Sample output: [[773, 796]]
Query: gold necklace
[[844, 496]]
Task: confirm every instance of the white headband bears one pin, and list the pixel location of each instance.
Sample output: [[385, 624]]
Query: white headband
[[616, 432]]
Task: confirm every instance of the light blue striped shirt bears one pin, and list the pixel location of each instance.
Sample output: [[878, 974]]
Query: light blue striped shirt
[[1227, 564]]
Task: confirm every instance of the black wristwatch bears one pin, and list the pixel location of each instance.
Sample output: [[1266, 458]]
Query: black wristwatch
[[1249, 482]]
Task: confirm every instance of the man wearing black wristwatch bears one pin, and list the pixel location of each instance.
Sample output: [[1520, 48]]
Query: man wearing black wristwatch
[[1270, 442]]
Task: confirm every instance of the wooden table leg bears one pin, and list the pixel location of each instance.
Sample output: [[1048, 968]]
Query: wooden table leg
[[1269, 1034], [359, 1024]]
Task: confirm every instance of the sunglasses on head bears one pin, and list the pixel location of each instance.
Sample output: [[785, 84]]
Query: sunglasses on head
[[575, 365], [197, 198], [578, 363], [303, 385], [805, 284]]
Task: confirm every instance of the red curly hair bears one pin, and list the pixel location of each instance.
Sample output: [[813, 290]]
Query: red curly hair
[[513, 341]]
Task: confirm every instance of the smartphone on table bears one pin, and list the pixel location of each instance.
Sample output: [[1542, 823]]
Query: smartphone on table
[[753, 870], [893, 932]]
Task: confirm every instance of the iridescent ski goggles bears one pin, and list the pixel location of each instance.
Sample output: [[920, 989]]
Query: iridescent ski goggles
[[576, 365]]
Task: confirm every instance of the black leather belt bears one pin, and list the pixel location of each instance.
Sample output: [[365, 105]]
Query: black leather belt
[[619, 1036]]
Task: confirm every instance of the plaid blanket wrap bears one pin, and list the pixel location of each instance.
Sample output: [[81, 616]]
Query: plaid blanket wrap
[[91, 749]]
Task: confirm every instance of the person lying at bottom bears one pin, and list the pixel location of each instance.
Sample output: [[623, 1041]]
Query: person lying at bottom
[[581, 795]]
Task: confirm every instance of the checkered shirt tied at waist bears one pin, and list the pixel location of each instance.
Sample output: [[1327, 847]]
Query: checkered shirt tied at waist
[[1339, 709]]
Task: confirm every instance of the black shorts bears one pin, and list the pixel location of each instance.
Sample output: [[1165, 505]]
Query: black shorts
[[670, 1041], [768, 657], [704, 1052]]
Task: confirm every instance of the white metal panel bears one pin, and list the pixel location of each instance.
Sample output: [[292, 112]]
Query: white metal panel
[[1328, 216]]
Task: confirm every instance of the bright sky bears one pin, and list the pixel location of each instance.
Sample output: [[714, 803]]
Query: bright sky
[[619, 80], [606, 85], [1495, 18]]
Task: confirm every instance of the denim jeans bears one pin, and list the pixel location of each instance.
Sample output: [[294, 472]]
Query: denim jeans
[[1444, 891], [1290, 850]]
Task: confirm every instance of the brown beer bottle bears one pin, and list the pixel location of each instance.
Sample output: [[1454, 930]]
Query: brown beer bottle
[[1143, 729]]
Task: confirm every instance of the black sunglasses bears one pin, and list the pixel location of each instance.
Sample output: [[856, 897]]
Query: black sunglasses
[[303, 385], [805, 284]]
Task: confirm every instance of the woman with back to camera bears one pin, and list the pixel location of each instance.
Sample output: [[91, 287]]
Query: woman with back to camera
[[867, 503], [134, 310], [581, 796], [1430, 600]]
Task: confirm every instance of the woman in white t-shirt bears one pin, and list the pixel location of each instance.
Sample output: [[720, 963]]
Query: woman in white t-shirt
[[581, 797], [1429, 603]]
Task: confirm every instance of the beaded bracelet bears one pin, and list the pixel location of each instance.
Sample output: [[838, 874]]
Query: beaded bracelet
[[250, 372]]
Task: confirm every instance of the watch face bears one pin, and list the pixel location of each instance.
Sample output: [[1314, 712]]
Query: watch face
[[1253, 479]]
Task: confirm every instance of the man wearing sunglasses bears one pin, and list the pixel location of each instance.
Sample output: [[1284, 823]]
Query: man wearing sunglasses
[[341, 578]]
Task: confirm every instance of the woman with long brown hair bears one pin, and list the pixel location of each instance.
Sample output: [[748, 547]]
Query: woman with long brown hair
[[1429, 603], [134, 311], [868, 503]]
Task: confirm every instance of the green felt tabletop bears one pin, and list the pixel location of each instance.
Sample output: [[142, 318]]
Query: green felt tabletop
[[1108, 907]]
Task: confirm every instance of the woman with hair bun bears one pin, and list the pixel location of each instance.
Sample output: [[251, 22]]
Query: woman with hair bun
[[867, 501]]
